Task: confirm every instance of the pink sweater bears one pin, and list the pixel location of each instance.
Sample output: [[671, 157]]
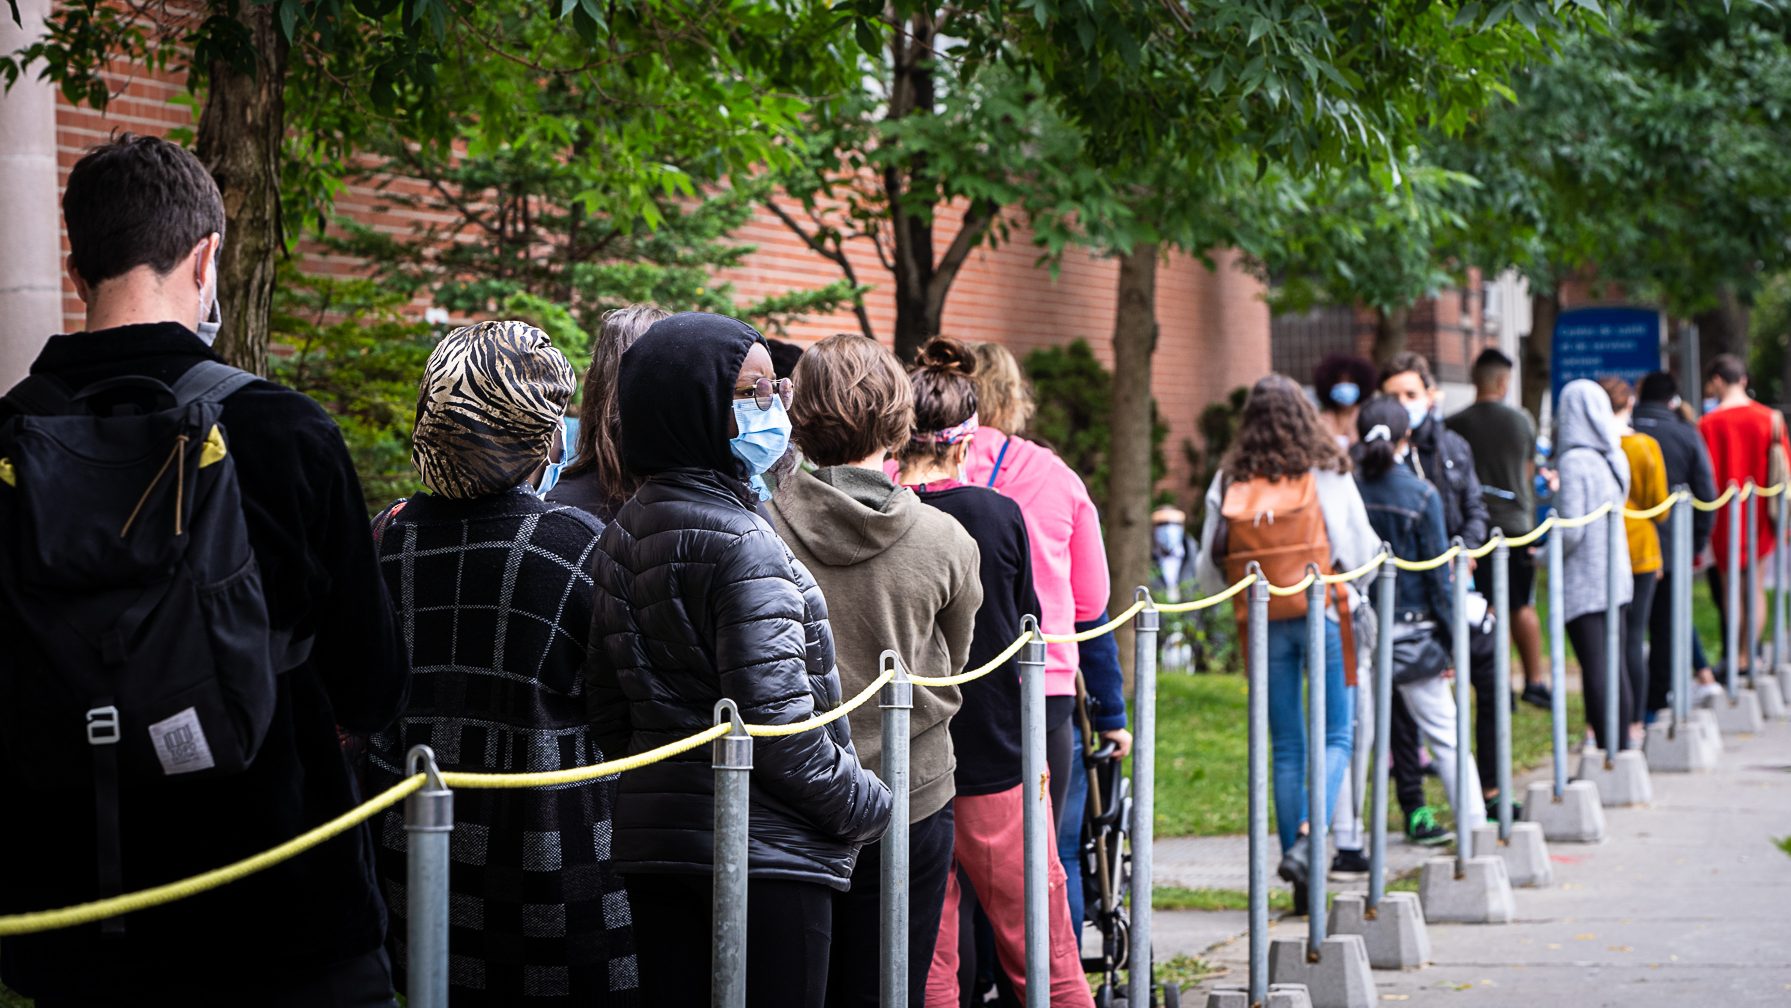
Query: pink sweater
[[1069, 562]]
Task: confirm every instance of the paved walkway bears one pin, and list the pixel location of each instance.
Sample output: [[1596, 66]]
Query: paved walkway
[[1687, 902]]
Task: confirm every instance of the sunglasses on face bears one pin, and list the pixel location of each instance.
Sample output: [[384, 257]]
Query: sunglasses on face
[[763, 389]]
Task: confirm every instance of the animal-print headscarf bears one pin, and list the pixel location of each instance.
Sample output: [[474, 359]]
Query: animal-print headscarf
[[492, 396]]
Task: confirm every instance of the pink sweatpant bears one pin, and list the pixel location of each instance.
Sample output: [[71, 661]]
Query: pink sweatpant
[[990, 841]]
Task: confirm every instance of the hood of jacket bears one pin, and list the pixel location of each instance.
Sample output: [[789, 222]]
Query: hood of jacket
[[1027, 469], [844, 515], [676, 391], [1583, 419]]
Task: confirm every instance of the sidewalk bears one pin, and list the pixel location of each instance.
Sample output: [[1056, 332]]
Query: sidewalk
[[1688, 901]]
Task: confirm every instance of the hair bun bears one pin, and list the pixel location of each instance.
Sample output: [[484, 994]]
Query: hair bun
[[948, 355]]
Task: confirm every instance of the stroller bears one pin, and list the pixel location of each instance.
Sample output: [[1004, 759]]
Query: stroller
[[1106, 861]]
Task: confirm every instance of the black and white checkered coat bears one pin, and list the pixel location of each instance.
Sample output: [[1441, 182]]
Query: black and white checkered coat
[[494, 600]]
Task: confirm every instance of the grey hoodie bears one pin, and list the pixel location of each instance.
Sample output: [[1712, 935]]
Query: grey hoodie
[[897, 575], [1593, 470]]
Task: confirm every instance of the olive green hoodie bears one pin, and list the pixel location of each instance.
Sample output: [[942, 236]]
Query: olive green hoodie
[[897, 575]]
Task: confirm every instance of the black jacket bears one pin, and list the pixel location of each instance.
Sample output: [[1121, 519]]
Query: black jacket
[[1443, 458], [1407, 513], [698, 599], [1688, 464], [308, 527]]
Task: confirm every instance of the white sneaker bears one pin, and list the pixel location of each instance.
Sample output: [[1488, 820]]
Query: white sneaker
[[1707, 694]]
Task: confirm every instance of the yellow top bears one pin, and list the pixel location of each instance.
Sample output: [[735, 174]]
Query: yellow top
[[1647, 488]]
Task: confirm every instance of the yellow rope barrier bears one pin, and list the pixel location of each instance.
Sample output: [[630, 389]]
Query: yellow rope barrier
[[1365, 569], [798, 727], [1518, 542], [1210, 600], [585, 774], [1772, 491], [1722, 500], [1481, 551], [1650, 514], [1295, 588], [143, 899], [1432, 564], [970, 675], [1586, 519], [1101, 631]]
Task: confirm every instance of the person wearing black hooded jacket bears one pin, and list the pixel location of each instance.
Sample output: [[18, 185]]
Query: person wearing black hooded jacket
[[698, 599], [1688, 465]]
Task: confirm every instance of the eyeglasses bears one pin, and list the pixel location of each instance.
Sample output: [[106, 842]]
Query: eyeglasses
[[764, 388]]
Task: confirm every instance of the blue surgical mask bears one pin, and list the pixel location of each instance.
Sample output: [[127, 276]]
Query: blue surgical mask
[[764, 437], [550, 478], [1416, 410], [1346, 393], [1710, 403]]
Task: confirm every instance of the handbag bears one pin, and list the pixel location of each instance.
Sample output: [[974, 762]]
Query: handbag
[[1417, 653]]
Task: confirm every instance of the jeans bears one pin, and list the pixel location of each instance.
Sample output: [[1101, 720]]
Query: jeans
[[1287, 724], [1073, 810]]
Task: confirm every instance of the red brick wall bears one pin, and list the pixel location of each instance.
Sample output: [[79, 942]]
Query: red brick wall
[[1214, 325]]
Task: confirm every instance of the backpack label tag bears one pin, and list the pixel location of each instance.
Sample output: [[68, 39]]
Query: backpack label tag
[[180, 743]]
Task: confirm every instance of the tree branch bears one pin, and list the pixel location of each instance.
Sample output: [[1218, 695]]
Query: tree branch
[[976, 223]]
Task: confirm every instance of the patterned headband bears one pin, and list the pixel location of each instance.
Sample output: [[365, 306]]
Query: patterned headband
[[950, 435]]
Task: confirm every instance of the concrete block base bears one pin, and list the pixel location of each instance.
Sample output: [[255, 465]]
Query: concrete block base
[[1280, 996], [1772, 699], [1339, 979], [1741, 717], [1395, 937], [1577, 817], [1525, 853], [1688, 749], [1481, 895], [1624, 781], [1704, 719]]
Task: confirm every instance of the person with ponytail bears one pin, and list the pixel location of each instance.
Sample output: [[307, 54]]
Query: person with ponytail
[[986, 731], [1407, 513]]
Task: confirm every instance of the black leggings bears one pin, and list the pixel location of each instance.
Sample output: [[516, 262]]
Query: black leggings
[[1060, 743], [1660, 648], [789, 926], [853, 980], [1587, 635], [1635, 642]]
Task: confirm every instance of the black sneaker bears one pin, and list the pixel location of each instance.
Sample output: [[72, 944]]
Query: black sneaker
[[1538, 695], [1492, 810], [1348, 866], [1422, 828], [1296, 864]]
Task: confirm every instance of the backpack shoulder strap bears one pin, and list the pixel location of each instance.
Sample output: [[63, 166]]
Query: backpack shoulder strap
[[40, 395], [209, 381]]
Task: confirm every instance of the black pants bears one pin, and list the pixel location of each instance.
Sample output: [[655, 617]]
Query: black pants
[[788, 929], [362, 982], [1060, 741], [852, 978], [1660, 646], [1586, 633], [1635, 642], [1402, 740]]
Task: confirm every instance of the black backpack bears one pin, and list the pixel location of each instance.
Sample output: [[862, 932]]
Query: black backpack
[[125, 559]]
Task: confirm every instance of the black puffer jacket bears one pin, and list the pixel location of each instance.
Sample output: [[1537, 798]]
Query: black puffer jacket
[[698, 599], [1443, 458]]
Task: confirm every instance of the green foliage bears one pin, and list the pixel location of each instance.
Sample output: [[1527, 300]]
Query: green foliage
[[1769, 337], [1181, 898], [351, 350], [1074, 394]]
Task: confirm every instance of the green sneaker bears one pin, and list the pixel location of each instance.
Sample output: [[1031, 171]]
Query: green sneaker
[[1422, 828]]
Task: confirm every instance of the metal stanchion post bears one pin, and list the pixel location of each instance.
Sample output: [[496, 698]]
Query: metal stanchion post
[[1317, 800], [1501, 695], [1614, 541], [1557, 656], [897, 703], [428, 821], [1732, 598], [1778, 585], [1464, 740], [1036, 817], [1383, 726], [1257, 655], [1751, 581], [1144, 771], [1681, 609], [732, 762]]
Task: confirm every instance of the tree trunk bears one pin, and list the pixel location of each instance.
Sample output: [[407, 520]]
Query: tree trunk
[[911, 228], [1129, 482], [1389, 333], [1723, 329], [1539, 348], [240, 133]]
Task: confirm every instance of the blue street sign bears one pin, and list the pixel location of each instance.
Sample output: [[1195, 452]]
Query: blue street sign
[[1598, 342]]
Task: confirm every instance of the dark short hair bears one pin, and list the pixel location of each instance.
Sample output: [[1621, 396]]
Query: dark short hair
[[1728, 367], [1620, 392], [1408, 360], [1338, 368], [784, 356], [1657, 387], [852, 401], [137, 201], [1491, 363]]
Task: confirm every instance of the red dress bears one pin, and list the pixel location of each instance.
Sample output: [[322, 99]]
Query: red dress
[[1738, 437]]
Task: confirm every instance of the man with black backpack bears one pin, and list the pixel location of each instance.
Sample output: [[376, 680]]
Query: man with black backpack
[[191, 606]]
